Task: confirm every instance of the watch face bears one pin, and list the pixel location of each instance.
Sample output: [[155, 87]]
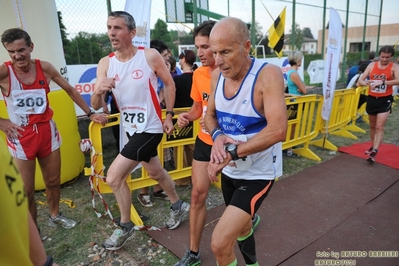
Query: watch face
[[231, 147]]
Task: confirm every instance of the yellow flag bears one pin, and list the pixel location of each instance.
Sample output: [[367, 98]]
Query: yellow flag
[[276, 34]]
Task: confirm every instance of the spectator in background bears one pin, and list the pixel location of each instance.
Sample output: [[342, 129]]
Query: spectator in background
[[162, 48], [295, 84], [174, 70], [353, 82], [183, 84], [184, 81], [353, 71], [353, 85], [371, 57]]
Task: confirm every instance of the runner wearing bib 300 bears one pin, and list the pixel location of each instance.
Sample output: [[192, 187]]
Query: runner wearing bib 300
[[28, 107]]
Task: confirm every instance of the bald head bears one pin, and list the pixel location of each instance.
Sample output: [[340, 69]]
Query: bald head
[[230, 44], [231, 28]]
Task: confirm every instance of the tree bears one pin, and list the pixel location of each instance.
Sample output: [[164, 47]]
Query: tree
[[297, 43], [64, 35], [307, 33], [104, 43], [187, 38], [260, 39], [160, 32], [84, 49], [258, 32]]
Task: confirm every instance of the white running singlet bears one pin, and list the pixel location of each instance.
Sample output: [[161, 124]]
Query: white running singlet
[[135, 93]]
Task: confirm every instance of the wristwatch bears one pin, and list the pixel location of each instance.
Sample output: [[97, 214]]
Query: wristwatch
[[90, 113], [232, 149], [171, 113]]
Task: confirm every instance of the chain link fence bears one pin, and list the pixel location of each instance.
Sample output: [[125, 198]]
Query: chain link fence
[[83, 29], [85, 40]]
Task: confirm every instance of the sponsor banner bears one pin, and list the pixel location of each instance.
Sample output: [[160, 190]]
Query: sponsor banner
[[331, 67], [141, 12], [83, 79]]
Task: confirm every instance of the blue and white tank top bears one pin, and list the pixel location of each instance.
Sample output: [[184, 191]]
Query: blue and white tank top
[[238, 118]]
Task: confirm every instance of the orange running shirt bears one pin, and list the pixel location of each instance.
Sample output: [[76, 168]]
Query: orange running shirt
[[381, 74], [200, 90]]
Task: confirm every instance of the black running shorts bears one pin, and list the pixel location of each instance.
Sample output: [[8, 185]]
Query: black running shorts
[[142, 146], [202, 151], [246, 195], [376, 105]]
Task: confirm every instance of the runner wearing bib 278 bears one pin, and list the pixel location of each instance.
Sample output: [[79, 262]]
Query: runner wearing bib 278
[[131, 74]]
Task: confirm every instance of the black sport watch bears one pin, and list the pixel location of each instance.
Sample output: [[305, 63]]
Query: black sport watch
[[170, 113], [232, 149], [90, 113]]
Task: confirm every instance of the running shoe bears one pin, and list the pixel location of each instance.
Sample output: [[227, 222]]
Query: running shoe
[[118, 238], [177, 216], [368, 152], [372, 155], [145, 200], [160, 195], [189, 260], [61, 220]]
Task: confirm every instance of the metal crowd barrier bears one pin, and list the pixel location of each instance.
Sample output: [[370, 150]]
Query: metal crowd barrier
[[358, 112], [304, 126], [342, 110], [178, 139], [304, 122]]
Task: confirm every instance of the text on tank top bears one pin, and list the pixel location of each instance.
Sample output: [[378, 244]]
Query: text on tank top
[[135, 93], [28, 104]]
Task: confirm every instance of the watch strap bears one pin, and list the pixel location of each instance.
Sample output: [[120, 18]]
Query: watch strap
[[233, 154], [171, 113], [90, 113]]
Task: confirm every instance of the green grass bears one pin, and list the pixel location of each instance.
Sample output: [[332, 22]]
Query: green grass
[[71, 247]]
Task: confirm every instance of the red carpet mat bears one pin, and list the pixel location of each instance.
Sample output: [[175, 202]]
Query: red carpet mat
[[339, 205], [388, 154]]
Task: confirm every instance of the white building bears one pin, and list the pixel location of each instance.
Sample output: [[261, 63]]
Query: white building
[[389, 35], [309, 45]]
